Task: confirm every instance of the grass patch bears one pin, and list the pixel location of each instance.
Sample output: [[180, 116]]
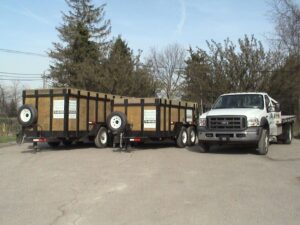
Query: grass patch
[[6, 139]]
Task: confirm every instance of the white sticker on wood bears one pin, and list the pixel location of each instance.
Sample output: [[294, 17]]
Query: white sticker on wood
[[149, 118]]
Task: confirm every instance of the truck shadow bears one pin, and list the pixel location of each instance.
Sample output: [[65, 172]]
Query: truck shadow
[[225, 149]]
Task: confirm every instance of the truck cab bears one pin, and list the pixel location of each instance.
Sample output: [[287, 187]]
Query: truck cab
[[244, 118]]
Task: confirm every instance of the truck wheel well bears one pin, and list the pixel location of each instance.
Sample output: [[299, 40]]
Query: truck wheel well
[[264, 123]]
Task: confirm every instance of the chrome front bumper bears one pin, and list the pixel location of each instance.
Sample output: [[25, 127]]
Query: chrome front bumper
[[251, 135]]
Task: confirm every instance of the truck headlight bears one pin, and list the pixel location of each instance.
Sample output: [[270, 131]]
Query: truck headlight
[[253, 122], [202, 122]]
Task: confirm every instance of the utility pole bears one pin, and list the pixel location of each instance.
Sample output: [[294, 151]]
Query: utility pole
[[44, 77]]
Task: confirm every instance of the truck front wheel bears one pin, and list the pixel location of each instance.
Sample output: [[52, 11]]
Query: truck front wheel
[[263, 144], [204, 147]]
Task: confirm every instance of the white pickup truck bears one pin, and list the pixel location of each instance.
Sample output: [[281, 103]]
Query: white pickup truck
[[245, 118]]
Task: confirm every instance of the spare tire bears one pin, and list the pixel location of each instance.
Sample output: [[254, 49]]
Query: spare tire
[[116, 122], [27, 115]]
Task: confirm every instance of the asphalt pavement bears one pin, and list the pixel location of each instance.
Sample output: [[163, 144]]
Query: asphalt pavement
[[152, 184]]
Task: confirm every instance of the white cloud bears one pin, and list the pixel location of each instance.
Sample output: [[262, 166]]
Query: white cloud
[[181, 22], [28, 13]]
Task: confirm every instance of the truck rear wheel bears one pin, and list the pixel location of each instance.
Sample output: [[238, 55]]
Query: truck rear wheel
[[101, 139], [182, 138], [287, 134], [191, 131], [263, 144]]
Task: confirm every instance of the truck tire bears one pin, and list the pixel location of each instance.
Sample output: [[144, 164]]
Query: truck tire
[[53, 144], [116, 122], [287, 134], [27, 115], [263, 144], [191, 131], [101, 140], [204, 147], [182, 138]]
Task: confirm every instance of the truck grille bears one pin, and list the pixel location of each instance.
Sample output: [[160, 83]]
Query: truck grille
[[226, 122]]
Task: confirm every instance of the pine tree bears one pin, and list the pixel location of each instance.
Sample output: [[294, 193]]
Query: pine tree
[[77, 60], [124, 74]]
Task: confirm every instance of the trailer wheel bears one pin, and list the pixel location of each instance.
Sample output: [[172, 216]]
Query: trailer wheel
[[287, 134], [101, 140], [53, 144], [263, 144], [27, 115], [67, 142], [191, 136], [116, 122], [182, 138], [204, 147]]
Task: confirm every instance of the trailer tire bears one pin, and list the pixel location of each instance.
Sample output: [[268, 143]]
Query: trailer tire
[[116, 122], [287, 134], [204, 147], [101, 140], [191, 131], [182, 138], [67, 143], [263, 143], [27, 115], [53, 144]]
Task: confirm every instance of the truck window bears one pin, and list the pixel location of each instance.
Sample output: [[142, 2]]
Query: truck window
[[240, 101]]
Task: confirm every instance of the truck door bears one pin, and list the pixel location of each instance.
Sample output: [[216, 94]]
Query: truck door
[[271, 116]]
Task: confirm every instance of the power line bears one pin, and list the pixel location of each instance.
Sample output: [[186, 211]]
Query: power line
[[22, 52], [20, 79], [22, 74]]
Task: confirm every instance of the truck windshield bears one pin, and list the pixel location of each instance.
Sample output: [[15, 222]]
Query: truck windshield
[[239, 101]]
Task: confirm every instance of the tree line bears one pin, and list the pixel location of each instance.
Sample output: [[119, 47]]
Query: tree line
[[86, 57]]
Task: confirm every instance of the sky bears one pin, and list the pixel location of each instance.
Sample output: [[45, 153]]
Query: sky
[[29, 25]]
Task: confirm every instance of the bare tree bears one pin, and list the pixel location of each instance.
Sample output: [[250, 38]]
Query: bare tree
[[168, 68], [286, 16]]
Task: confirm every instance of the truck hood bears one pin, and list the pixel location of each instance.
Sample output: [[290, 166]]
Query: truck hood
[[233, 112]]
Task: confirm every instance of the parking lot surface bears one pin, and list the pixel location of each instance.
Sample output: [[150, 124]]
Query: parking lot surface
[[157, 184]]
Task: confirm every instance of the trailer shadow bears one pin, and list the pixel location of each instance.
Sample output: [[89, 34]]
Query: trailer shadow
[[47, 148]]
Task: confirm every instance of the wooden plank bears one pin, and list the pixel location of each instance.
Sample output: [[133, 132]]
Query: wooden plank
[[82, 115], [43, 114], [182, 115], [30, 101], [92, 115], [100, 111], [134, 117]]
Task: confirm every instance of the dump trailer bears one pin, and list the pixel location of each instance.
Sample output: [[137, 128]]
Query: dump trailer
[[136, 120], [64, 115]]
